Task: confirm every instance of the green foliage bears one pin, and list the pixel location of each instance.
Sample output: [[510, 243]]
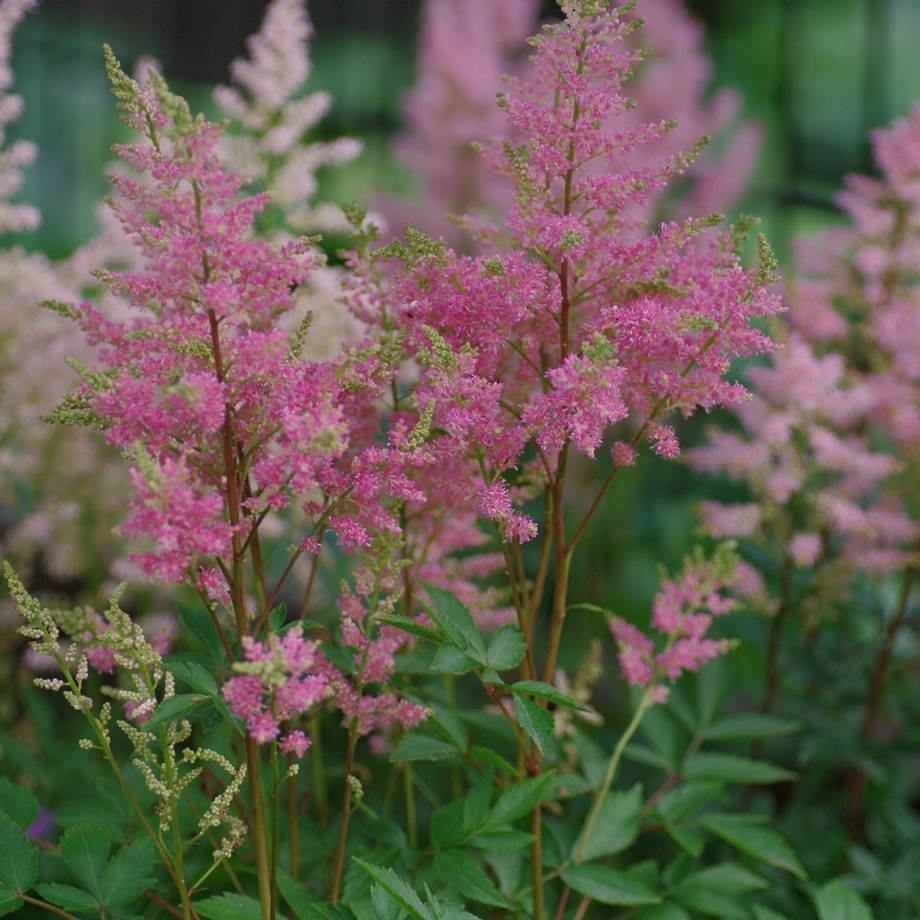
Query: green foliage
[[18, 864], [230, 906]]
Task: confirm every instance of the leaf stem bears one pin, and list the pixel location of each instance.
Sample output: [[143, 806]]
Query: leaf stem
[[644, 703]]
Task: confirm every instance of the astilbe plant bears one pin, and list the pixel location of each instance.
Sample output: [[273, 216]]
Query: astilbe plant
[[820, 512], [55, 536], [433, 448], [465, 47], [828, 452], [221, 413], [855, 293], [578, 319]]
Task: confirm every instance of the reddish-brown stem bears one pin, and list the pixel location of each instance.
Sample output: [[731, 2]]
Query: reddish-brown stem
[[582, 907], [857, 778], [270, 602], [516, 579], [560, 907], [235, 583], [346, 812], [228, 648], [308, 591], [160, 903]]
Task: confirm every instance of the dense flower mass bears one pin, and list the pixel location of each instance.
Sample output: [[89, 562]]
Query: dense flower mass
[[202, 365], [581, 316], [856, 289], [817, 482], [467, 45], [278, 680]]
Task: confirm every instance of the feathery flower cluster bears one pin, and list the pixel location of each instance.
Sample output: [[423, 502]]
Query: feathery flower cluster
[[856, 292], [204, 365], [682, 612], [73, 546], [580, 298], [224, 417], [816, 484], [272, 120], [466, 45], [13, 217], [278, 679]]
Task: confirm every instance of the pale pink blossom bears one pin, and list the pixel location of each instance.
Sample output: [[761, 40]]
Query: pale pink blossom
[[805, 548]]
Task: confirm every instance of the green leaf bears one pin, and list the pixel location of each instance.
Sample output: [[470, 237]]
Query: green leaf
[[399, 890], [690, 839], [447, 824], [548, 692], [488, 756], [764, 913], [452, 911], [714, 903], [385, 908], [729, 878], [535, 720], [519, 800], [18, 803], [305, 905], [661, 912], [198, 622], [679, 802], [617, 824], [422, 747], [450, 728], [477, 801], [452, 660], [229, 906], [644, 755], [608, 886], [501, 840], [837, 901], [507, 648], [459, 871], [221, 707], [18, 856], [730, 768], [277, 618], [68, 897], [760, 842], [193, 674], [176, 707], [456, 621], [85, 849], [715, 890], [9, 901], [126, 877], [755, 725], [407, 624]]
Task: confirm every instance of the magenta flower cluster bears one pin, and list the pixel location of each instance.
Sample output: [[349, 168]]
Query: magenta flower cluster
[[277, 682], [682, 613]]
